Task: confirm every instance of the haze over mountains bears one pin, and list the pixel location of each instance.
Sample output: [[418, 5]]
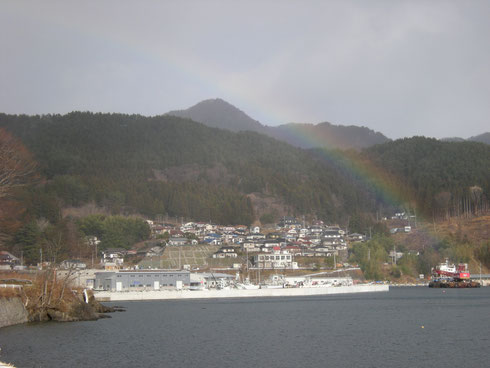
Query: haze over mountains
[[218, 113], [482, 138]]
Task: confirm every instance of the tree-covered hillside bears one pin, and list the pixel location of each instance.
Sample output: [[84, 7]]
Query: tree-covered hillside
[[134, 165], [168, 165], [443, 178]]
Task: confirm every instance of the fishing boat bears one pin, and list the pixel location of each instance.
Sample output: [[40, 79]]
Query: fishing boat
[[446, 275]]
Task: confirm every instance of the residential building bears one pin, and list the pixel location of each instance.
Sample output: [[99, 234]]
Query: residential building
[[114, 255], [178, 241], [276, 259], [225, 252], [8, 260], [73, 264]]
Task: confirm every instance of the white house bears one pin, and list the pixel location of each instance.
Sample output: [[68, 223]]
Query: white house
[[276, 259], [73, 264], [225, 252], [114, 255], [178, 241]]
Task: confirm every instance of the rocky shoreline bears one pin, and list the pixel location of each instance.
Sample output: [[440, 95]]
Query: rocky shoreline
[[13, 311]]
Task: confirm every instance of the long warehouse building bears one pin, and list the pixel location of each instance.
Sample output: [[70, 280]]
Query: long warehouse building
[[141, 280]]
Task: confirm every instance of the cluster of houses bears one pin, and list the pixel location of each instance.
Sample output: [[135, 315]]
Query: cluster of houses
[[276, 249]]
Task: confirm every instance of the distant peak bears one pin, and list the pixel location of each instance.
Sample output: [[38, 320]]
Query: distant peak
[[214, 101], [218, 113]]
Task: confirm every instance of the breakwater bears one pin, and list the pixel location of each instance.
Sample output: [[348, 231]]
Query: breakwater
[[234, 293]]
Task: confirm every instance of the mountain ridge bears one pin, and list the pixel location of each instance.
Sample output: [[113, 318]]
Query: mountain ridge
[[482, 138], [218, 113]]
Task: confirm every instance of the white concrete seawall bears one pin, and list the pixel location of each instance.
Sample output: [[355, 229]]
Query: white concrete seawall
[[235, 293]]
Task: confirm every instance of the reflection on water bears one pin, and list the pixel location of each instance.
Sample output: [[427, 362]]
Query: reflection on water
[[365, 330]]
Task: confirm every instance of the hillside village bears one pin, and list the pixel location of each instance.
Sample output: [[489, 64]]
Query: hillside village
[[289, 247], [271, 248]]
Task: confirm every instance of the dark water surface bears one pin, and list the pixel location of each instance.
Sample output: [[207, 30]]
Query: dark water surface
[[361, 330]]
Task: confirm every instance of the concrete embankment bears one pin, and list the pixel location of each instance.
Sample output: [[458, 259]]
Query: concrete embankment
[[234, 293], [12, 312]]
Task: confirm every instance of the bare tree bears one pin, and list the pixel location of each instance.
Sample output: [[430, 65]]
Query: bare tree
[[55, 245], [16, 163]]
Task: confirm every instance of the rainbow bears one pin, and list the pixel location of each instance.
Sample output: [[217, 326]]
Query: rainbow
[[364, 171], [391, 188], [385, 184]]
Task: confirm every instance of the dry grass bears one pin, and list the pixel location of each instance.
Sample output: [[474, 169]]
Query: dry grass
[[13, 277], [475, 230], [40, 290], [9, 292], [194, 255], [48, 291], [17, 275], [467, 233]]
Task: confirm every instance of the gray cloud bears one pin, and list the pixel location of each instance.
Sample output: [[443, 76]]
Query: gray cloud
[[404, 68]]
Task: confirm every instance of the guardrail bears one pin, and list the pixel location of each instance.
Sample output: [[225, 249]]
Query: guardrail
[[13, 286]]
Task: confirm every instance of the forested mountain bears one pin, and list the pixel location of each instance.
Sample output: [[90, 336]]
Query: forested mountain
[[168, 165], [220, 114], [441, 177], [453, 139], [326, 135]]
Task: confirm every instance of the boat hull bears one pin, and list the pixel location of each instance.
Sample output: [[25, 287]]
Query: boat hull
[[454, 284]]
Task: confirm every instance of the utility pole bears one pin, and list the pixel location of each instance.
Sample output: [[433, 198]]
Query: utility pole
[[247, 261], [480, 273]]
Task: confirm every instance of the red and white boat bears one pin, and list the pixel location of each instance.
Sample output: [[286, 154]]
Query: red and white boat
[[456, 272]]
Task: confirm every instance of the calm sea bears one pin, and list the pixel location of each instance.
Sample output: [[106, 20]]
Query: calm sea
[[406, 327]]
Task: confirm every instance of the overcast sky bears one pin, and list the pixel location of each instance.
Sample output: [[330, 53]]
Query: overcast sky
[[403, 68]]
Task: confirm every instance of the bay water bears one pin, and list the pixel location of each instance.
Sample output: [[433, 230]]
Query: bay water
[[405, 327]]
